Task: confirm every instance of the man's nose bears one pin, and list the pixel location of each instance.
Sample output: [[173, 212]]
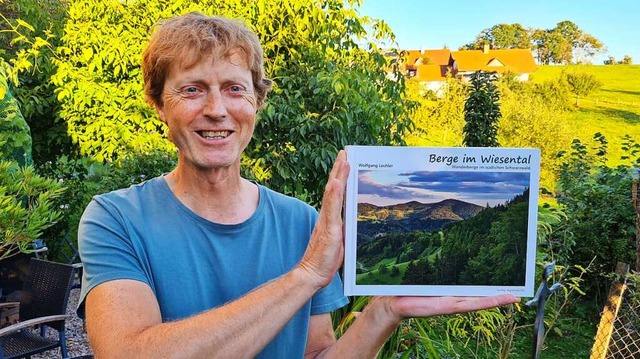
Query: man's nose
[[214, 106]]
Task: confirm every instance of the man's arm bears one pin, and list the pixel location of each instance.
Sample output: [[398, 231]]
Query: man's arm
[[382, 315], [321, 335], [124, 321]]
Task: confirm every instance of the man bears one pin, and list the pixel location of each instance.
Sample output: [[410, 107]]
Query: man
[[200, 262]]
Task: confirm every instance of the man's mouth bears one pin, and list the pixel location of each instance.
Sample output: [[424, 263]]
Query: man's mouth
[[215, 135]]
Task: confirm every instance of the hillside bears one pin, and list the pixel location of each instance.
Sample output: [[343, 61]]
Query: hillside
[[613, 110], [410, 216]]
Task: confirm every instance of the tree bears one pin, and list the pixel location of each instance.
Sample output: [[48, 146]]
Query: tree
[[382, 269], [586, 48], [626, 60], [560, 45], [330, 85], [418, 272], [502, 36], [564, 43], [582, 84], [528, 114], [570, 42], [395, 271], [482, 111], [32, 30], [560, 48], [26, 198], [15, 135]]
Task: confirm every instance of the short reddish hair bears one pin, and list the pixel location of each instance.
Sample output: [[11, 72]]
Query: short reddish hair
[[191, 37]]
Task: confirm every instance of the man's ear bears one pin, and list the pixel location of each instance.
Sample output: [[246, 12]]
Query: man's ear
[[160, 111]]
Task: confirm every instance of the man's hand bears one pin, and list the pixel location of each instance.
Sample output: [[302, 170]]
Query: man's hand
[[382, 315], [325, 252], [398, 308]]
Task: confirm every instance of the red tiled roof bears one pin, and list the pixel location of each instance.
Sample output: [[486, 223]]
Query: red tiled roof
[[431, 72], [435, 57], [511, 60]]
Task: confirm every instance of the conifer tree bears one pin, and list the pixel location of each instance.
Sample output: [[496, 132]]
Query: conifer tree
[[482, 111]]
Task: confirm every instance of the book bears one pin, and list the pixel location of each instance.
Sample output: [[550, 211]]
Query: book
[[441, 221]]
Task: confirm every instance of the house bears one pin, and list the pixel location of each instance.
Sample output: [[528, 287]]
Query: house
[[430, 67], [517, 61]]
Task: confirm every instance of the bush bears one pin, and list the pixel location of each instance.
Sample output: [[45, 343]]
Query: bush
[[85, 178], [582, 84], [529, 120], [482, 111], [26, 207], [597, 201]]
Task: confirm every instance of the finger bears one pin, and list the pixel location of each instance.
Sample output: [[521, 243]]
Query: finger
[[334, 190], [340, 170]]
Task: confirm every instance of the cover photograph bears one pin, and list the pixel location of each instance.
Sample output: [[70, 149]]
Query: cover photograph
[[441, 221]]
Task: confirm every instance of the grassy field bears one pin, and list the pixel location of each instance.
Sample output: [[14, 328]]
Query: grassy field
[[613, 110]]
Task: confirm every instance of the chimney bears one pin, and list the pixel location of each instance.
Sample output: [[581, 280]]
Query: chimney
[[486, 49]]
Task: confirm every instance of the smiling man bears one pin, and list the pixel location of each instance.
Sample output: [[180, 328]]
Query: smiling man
[[202, 263]]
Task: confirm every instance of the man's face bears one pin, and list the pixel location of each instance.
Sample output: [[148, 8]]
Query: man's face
[[210, 109]]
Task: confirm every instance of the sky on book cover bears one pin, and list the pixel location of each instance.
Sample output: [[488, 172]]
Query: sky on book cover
[[383, 188]]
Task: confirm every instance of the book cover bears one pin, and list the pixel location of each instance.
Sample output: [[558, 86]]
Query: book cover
[[441, 221]]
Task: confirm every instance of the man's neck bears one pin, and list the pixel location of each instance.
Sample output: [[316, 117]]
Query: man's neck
[[220, 196]]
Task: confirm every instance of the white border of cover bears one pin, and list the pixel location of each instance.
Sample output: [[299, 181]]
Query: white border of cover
[[416, 158]]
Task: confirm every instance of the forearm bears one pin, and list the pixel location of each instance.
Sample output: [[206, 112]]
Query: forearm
[[243, 327], [383, 314], [367, 334]]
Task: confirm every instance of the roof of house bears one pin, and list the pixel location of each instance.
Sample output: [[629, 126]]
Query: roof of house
[[428, 57], [431, 72], [508, 60]]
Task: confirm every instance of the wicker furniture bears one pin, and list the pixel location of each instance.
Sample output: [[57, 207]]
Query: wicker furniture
[[43, 303]]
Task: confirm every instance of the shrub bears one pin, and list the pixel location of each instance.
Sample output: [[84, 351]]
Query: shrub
[[597, 201], [85, 178], [582, 84], [482, 111], [528, 120], [26, 207]]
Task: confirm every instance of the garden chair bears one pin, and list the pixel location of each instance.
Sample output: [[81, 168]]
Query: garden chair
[[39, 248], [43, 303]]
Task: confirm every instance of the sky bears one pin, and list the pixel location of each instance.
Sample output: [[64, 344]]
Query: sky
[[431, 24], [383, 188]]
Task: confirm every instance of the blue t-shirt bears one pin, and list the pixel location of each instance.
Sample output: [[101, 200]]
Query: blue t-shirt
[[145, 233]]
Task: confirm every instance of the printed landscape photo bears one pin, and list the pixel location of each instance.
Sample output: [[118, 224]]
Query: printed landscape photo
[[442, 228]]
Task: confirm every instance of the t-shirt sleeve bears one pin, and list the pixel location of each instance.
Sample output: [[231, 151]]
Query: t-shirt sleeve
[[329, 298], [105, 248]]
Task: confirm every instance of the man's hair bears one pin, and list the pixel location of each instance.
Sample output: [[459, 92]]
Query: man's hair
[[191, 37]]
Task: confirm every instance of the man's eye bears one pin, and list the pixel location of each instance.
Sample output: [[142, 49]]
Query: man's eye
[[190, 89], [236, 88]]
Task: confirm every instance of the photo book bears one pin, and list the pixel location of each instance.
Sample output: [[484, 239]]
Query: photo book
[[441, 221]]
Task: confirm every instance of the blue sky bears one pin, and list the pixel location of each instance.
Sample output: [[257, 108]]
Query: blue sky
[[432, 24], [384, 188]]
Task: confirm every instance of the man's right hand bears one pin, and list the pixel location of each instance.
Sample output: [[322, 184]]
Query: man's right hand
[[325, 252]]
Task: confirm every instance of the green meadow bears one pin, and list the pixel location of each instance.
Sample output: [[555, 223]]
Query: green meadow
[[613, 110]]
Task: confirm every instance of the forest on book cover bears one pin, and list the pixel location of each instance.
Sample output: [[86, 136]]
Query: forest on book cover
[[450, 242]]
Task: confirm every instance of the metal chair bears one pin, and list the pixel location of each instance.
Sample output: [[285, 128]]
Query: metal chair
[[43, 303]]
